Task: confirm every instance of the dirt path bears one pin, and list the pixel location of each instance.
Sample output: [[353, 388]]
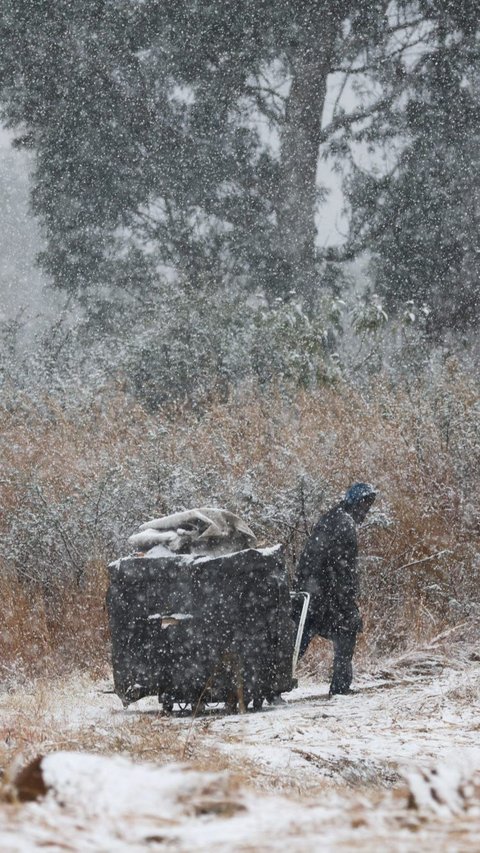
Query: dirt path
[[342, 771]]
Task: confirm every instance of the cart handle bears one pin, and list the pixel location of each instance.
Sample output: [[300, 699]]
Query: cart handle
[[301, 625]]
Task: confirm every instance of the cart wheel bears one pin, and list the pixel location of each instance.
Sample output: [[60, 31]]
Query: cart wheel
[[231, 704], [167, 703], [198, 707]]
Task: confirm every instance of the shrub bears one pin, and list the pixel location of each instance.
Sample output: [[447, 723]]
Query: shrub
[[79, 473]]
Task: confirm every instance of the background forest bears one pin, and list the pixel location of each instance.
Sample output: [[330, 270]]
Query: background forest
[[208, 343]]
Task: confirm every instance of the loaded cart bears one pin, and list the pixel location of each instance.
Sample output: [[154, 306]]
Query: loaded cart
[[192, 629]]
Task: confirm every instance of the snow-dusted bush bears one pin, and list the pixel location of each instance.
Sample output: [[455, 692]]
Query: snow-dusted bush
[[178, 344], [80, 472]]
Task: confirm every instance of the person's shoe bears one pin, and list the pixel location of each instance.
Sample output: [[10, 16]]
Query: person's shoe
[[277, 700], [345, 691]]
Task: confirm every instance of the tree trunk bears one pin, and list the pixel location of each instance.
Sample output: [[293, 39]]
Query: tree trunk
[[300, 145]]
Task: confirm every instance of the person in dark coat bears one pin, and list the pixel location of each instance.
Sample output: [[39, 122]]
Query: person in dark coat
[[327, 569]]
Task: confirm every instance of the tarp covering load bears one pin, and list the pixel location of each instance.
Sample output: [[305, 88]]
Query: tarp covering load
[[207, 530], [197, 629]]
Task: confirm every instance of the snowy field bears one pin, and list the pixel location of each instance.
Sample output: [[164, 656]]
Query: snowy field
[[396, 766]]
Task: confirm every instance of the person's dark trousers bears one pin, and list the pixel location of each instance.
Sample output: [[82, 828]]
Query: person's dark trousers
[[343, 649]]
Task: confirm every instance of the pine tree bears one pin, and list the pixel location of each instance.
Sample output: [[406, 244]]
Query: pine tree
[[421, 219], [140, 114], [146, 119]]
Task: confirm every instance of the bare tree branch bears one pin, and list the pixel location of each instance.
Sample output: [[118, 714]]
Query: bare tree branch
[[372, 66], [347, 119]]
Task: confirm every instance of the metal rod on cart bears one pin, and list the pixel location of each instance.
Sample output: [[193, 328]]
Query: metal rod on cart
[[301, 625]]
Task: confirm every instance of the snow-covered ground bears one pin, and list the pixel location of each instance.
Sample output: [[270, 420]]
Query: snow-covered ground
[[395, 766]]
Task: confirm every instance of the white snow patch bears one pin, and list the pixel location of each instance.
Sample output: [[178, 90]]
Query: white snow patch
[[110, 803], [162, 551], [266, 552], [314, 771]]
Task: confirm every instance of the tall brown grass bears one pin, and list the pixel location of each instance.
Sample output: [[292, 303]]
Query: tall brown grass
[[77, 478]]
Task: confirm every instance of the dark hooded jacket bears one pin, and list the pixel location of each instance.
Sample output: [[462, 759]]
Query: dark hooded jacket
[[327, 569]]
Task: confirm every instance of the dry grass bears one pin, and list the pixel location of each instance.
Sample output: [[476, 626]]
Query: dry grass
[[52, 714], [53, 628], [76, 481]]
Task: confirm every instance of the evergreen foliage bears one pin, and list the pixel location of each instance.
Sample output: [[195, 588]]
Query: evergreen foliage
[[421, 216], [178, 143], [146, 119]]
